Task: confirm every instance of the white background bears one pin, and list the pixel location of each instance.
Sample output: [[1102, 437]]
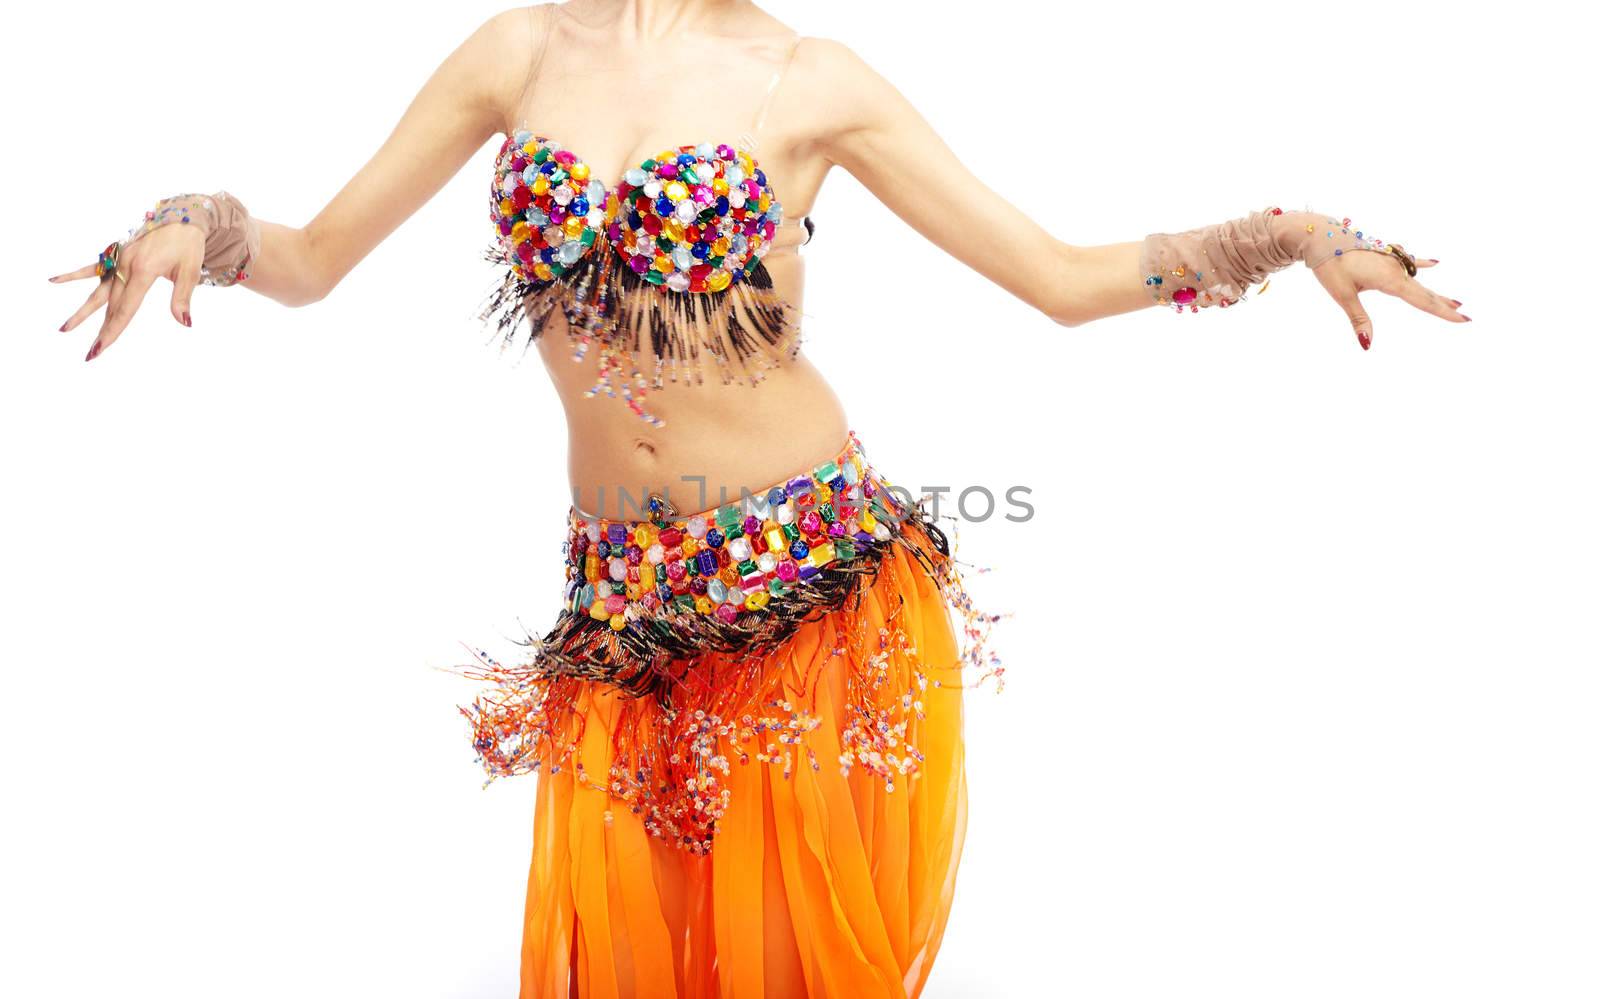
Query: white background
[[1302, 674]]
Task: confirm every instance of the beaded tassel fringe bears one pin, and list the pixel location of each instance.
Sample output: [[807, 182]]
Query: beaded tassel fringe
[[646, 334], [699, 690]]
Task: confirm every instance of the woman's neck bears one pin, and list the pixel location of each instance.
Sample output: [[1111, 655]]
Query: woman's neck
[[646, 20]]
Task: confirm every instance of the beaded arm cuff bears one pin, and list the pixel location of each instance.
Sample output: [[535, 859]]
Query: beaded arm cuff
[[1213, 265], [233, 238]]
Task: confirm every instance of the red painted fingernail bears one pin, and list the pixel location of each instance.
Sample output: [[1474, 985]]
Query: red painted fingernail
[[94, 352], [63, 328], [1433, 260], [1365, 338], [1466, 317], [1455, 303], [186, 321]]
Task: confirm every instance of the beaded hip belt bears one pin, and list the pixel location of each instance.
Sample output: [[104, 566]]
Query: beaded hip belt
[[642, 594]]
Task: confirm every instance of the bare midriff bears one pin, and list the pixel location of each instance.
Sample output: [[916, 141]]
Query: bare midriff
[[718, 440]]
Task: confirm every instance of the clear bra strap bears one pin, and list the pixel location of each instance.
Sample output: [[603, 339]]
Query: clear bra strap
[[772, 88], [549, 14]]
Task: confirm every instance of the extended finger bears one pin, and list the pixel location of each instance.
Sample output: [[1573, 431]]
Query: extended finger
[[184, 279], [89, 270], [1417, 294], [1343, 290], [90, 305], [124, 303]]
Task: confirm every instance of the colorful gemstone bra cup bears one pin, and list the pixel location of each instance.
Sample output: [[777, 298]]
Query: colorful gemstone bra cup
[[661, 273]]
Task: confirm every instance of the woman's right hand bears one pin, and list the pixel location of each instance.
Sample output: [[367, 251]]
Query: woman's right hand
[[174, 252]]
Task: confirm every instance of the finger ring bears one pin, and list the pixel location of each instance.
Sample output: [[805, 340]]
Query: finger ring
[[106, 266], [1406, 260]]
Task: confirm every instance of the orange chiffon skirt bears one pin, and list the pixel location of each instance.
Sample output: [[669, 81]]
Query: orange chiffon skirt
[[824, 879]]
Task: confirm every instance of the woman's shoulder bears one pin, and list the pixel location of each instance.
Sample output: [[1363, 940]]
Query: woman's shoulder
[[845, 92], [507, 35], [516, 27], [501, 52], [828, 57]]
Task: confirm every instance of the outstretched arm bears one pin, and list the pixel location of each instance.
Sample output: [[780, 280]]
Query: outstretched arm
[[886, 144], [882, 140], [459, 107]]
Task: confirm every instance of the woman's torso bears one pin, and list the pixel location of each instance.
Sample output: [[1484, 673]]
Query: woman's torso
[[615, 104]]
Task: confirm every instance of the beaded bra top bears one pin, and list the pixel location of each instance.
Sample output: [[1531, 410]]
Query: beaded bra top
[[660, 273]]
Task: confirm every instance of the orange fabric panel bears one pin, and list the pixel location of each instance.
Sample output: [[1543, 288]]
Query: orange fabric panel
[[820, 882]]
